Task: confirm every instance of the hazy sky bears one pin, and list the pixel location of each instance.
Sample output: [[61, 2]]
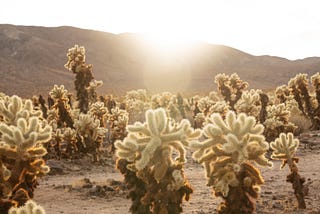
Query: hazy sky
[[286, 28]]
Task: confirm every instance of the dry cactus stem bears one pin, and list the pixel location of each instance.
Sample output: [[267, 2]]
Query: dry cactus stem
[[264, 99], [61, 104], [76, 63], [230, 148], [230, 87], [284, 149], [23, 133], [137, 188], [149, 149], [29, 208]]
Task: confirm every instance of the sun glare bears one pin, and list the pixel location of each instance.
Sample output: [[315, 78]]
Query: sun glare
[[168, 43]]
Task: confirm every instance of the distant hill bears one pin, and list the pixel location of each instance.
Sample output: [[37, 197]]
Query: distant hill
[[32, 60]]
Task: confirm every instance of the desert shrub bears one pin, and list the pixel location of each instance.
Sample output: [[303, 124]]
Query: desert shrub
[[148, 149], [230, 148]]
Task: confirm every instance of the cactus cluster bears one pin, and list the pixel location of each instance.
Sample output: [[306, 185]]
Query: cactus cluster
[[149, 150], [117, 123], [230, 148], [23, 134], [230, 87]]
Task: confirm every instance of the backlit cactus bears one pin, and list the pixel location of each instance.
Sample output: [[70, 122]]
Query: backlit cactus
[[99, 111], [61, 107], [137, 103], [230, 87], [277, 121], [249, 103], [29, 208], [91, 89], [284, 148], [23, 133], [149, 150], [230, 148], [76, 64], [91, 135], [308, 103], [117, 123]]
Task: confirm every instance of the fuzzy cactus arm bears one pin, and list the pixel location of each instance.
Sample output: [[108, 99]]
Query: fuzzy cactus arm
[[27, 136], [29, 208], [155, 135], [284, 147]]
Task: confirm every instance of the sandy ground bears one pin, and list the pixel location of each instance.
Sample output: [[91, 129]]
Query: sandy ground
[[79, 187]]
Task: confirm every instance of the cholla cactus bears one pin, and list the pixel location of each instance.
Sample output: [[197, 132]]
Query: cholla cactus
[[161, 100], [199, 120], [117, 123], [140, 94], [249, 103], [99, 111], [149, 149], [13, 108], [76, 64], [23, 134], [63, 143], [137, 103], [230, 87], [220, 107], [227, 153], [277, 121], [204, 105], [308, 103], [91, 133], [29, 208], [91, 89], [61, 105], [178, 107], [285, 148]]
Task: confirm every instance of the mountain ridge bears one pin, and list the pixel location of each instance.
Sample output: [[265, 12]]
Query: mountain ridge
[[32, 59]]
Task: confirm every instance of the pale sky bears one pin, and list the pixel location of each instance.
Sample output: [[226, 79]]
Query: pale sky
[[285, 28]]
